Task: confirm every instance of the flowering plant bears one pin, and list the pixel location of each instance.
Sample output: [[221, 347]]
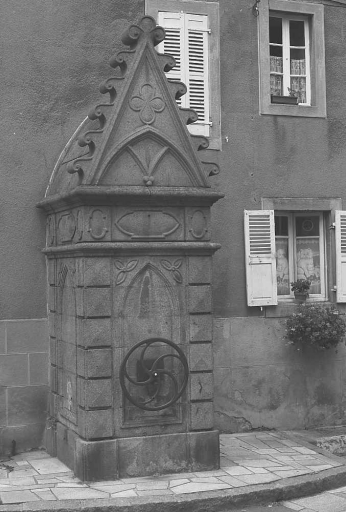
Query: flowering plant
[[301, 286], [319, 326]]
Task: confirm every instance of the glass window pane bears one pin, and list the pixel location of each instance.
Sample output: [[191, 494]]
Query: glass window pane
[[275, 30], [276, 85], [308, 262], [282, 268], [297, 37], [281, 225], [308, 225], [297, 62]]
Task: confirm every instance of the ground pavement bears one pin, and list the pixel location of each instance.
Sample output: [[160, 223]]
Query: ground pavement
[[255, 467]]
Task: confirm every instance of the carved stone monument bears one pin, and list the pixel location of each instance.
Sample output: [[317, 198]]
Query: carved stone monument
[[129, 263]]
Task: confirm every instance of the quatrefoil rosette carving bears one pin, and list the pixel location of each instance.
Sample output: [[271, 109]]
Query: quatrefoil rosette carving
[[173, 267], [147, 104]]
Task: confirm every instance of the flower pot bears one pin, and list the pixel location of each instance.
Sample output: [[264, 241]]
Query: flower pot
[[284, 100], [300, 297]]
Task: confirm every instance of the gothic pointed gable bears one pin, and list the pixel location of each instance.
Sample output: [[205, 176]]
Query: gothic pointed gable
[[139, 137]]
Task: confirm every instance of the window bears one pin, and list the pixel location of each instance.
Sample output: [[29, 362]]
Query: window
[[192, 37], [295, 238], [299, 249], [291, 59]]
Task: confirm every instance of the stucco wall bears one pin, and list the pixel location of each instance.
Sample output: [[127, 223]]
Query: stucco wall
[[54, 54]]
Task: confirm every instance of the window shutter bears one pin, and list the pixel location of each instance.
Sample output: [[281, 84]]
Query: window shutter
[[187, 40], [198, 79], [260, 257], [340, 252]]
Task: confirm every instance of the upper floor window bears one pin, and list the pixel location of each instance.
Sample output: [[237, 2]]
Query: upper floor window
[[192, 37], [291, 59]]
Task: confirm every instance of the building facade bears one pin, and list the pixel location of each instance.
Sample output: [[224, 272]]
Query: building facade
[[244, 62]]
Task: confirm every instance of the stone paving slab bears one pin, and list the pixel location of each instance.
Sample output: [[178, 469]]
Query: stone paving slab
[[251, 464]]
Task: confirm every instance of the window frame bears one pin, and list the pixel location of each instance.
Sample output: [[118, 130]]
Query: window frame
[[315, 14], [292, 250], [210, 9]]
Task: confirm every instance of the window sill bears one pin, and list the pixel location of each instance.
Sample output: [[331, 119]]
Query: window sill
[[293, 110]]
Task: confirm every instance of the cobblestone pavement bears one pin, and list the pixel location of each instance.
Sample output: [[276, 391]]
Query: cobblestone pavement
[[246, 459]]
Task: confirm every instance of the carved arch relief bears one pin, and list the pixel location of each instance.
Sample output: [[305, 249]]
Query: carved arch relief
[[146, 157], [150, 307]]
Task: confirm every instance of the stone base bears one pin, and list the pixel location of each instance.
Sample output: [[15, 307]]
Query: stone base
[[138, 456]]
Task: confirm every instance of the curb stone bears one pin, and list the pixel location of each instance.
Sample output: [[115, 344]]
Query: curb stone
[[208, 501]]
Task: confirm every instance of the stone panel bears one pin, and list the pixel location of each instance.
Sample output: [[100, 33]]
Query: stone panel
[[38, 368], [201, 386], [95, 424], [97, 302], [94, 363], [14, 370], [202, 415], [94, 332], [199, 270], [199, 299], [3, 337], [96, 272], [94, 393], [201, 357], [27, 405], [25, 336], [201, 327]]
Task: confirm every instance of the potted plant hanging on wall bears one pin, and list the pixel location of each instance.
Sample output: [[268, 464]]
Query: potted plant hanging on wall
[[316, 326], [301, 289]]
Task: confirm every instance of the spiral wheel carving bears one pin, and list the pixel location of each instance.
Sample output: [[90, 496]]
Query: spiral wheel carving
[[154, 374]]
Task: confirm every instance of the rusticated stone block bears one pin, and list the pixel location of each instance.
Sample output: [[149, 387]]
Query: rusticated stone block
[[94, 363], [14, 370], [94, 393], [52, 272], [67, 354], [25, 336], [38, 368], [52, 298], [97, 302], [53, 350], [202, 415], [201, 357], [201, 328], [201, 386], [95, 424], [96, 460], [199, 270], [53, 378], [200, 299], [96, 272], [94, 332]]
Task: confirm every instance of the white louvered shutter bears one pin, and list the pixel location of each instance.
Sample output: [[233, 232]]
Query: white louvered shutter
[[340, 253], [187, 40], [260, 257]]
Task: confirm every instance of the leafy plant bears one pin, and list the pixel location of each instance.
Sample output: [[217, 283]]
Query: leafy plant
[[315, 325], [301, 286]]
